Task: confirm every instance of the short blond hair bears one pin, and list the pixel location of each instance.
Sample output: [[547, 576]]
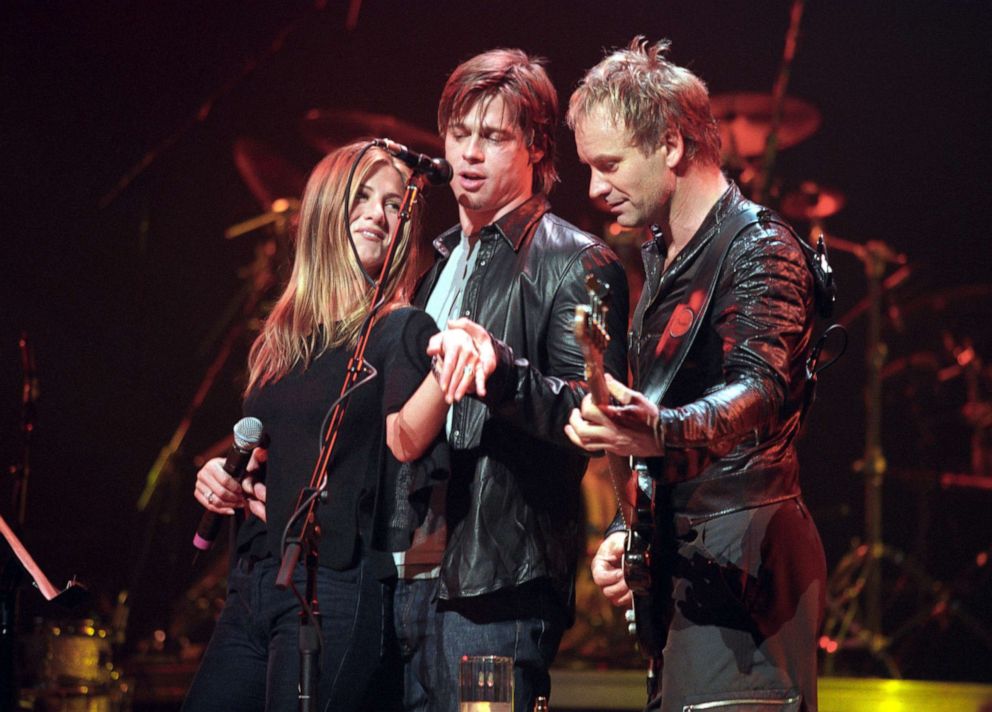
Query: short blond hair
[[649, 95]]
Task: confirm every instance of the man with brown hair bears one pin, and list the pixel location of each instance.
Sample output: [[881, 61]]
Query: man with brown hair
[[491, 571], [719, 343]]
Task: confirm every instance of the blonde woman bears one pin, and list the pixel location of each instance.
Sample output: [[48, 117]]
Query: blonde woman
[[296, 368]]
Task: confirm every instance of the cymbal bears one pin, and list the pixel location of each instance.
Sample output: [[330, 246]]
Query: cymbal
[[812, 201], [327, 129], [745, 120], [268, 175]]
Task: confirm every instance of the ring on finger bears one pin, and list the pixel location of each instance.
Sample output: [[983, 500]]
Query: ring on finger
[[210, 497], [469, 370]]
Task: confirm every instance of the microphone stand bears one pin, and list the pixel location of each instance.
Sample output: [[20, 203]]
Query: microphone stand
[[11, 571], [316, 492]]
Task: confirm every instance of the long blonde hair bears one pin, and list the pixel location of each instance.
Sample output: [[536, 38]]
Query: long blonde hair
[[327, 297]]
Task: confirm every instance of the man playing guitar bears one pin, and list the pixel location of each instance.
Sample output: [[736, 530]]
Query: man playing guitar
[[718, 350]]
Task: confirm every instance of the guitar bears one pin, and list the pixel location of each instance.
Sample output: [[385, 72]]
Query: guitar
[[589, 328]]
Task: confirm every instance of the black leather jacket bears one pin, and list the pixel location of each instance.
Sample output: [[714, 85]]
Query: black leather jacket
[[514, 503], [732, 413]]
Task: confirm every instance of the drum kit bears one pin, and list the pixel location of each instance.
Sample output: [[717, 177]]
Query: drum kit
[[74, 670]]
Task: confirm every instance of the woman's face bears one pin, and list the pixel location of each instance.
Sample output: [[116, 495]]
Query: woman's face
[[374, 214]]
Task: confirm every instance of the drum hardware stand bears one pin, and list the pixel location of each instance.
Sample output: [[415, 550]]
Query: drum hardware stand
[[849, 624], [762, 180], [854, 589]]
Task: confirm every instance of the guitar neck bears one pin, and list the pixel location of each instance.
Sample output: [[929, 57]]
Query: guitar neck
[[597, 383]]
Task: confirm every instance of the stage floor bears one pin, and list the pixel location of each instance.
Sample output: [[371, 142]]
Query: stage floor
[[575, 690]]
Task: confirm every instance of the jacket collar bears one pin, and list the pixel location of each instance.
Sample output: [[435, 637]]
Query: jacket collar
[[725, 204], [512, 227]]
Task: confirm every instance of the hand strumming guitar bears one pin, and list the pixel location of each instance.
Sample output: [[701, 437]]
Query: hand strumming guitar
[[607, 569]]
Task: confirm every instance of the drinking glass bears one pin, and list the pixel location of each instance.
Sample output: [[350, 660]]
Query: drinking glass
[[485, 683]]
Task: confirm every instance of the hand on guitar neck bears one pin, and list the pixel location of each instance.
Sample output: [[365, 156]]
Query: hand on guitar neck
[[612, 417], [630, 426]]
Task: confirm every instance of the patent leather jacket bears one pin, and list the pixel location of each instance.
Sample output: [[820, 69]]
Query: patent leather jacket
[[732, 412], [514, 507]]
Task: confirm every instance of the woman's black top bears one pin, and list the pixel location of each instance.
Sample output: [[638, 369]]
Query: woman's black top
[[293, 410]]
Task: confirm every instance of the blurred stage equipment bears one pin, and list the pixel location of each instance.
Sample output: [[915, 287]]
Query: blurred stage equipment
[[754, 128], [277, 186], [746, 121], [755, 124], [20, 562], [203, 111], [266, 175], [857, 616], [66, 670], [73, 664], [950, 332], [811, 202], [269, 176], [854, 589], [11, 569], [281, 214], [327, 129]]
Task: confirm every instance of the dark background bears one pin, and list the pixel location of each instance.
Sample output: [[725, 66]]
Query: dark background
[[121, 303]]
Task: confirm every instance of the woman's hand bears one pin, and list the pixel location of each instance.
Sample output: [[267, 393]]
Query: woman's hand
[[222, 494], [255, 490], [465, 359], [216, 490]]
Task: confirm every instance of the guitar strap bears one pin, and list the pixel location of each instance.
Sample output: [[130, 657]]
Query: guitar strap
[[641, 569], [688, 316]]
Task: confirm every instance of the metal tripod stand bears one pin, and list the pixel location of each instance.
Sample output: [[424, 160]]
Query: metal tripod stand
[[855, 607]]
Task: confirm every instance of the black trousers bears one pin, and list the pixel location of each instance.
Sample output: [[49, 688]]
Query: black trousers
[[747, 602], [253, 664]]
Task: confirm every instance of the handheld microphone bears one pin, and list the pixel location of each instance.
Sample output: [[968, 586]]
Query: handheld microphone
[[247, 436], [436, 170]]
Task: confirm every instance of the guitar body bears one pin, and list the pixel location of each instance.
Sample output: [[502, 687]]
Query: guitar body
[[643, 572]]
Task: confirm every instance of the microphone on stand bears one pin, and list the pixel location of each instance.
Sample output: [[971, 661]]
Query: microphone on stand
[[247, 436], [437, 170]]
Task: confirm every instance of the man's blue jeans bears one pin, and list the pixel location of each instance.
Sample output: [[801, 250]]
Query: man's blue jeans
[[525, 623]]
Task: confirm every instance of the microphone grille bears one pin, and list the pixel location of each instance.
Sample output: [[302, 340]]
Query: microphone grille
[[248, 433]]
